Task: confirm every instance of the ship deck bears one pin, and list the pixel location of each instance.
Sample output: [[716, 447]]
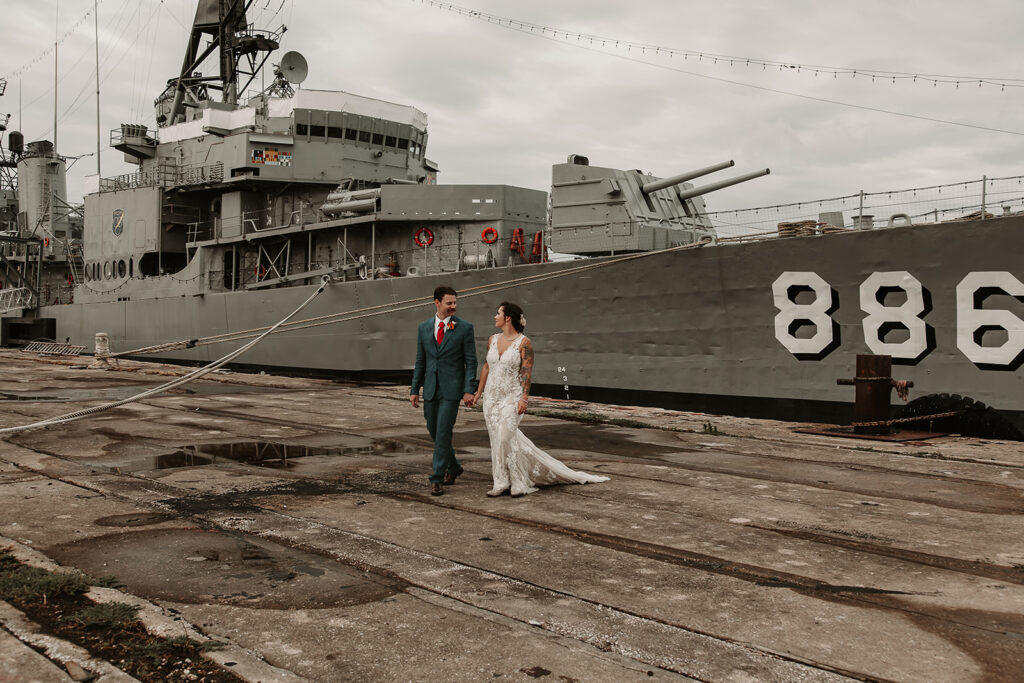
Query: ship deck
[[722, 549]]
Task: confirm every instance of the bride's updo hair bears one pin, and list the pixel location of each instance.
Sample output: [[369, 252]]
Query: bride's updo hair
[[513, 311]]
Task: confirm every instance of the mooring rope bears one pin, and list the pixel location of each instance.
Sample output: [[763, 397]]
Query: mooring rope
[[184, 379], [393, 307]]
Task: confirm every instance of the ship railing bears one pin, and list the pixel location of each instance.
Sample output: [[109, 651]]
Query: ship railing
[[199, 174], [133, 133], [14, 298], [165, 175], [972, 199], [130, 181]]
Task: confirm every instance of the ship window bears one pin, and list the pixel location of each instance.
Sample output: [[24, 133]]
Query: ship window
[[350, 133], [390, 141], [107, 271], [335, 132], [122, 269], [403, 143], [300, 128], [316, 131], [364, 136], [378, 138], [131, 267]]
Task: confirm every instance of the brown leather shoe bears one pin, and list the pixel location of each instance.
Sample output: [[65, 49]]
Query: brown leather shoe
[[436, 490]]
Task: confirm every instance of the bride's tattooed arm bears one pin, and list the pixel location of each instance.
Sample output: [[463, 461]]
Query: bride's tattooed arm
[[526, 371]]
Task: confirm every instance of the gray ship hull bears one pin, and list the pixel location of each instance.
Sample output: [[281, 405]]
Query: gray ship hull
[[742, 328]]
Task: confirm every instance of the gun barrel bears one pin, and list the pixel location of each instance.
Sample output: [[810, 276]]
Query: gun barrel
[[687, 194], [656, 185]]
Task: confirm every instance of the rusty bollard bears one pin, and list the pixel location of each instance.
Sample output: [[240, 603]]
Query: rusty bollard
[[873, 384]]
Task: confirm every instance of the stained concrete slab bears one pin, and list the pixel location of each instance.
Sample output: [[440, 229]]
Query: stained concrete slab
[[31, 667], [753, 553]]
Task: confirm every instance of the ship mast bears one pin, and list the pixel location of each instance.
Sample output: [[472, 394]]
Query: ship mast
[[96, 41], [242, 52]]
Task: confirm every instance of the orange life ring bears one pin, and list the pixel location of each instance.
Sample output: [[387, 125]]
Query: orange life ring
[[46, 241], [489, 235], [260, 272], [424, 237]]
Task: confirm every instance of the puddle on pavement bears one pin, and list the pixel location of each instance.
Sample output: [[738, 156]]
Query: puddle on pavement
[[270, 454], [198, 566], [133, 519]]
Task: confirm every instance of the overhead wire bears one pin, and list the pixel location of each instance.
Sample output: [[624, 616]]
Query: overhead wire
[[778, 91], [644, 48], [49, 50], [78, 102]]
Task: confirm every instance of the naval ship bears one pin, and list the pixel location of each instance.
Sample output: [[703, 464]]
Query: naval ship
[[240, 208]]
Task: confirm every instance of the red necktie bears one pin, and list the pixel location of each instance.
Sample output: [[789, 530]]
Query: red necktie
[[440, 332]]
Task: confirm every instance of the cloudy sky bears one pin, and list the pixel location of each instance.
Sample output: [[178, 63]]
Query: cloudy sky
[[504, 104]]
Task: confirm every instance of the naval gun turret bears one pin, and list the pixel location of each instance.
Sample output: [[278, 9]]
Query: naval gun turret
[[597, 210]]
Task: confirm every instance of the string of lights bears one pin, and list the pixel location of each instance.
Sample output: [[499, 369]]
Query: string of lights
[[659, 51], [49, 50]]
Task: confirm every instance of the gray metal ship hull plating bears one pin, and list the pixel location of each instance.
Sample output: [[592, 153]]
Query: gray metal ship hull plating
[[743, 328]]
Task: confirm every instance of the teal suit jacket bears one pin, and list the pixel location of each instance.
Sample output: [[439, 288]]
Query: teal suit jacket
[[447, 371]]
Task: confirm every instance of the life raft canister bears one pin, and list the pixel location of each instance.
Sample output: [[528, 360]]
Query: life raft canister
[[489, 235], [424, 237]]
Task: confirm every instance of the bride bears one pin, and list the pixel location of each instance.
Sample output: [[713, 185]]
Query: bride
[[518, 466]]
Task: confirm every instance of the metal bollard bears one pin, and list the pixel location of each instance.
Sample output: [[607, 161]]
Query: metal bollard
[[873, 384], [100, 362]]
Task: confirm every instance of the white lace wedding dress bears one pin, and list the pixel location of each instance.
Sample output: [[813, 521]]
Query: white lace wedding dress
[[517, 464]]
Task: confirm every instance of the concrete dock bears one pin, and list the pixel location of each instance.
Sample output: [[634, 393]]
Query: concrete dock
[[291, 519]]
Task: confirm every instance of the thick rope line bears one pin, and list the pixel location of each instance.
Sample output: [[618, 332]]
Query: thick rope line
[[394, 307], [184, 379]]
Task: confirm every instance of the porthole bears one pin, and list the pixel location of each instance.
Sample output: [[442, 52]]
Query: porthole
[[131, 267], [122, 269], [108, 270]]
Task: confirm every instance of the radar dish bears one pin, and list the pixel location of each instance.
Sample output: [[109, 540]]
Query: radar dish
[[293, 67]]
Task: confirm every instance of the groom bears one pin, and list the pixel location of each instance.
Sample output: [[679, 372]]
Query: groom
[[446, 371]]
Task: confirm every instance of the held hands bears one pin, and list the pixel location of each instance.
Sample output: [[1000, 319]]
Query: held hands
[[469, 400]]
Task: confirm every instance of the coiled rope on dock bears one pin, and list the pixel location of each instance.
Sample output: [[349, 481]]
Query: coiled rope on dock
[[184, 379], [393, 307]]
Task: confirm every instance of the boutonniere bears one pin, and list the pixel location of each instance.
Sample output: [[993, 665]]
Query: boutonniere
[[451, 325]]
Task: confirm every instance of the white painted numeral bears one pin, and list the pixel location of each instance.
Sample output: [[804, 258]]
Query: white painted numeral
[[970, 319], [908, 314], [815, 312]]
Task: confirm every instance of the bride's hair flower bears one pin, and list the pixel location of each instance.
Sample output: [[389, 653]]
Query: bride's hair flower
[[522, 321]]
